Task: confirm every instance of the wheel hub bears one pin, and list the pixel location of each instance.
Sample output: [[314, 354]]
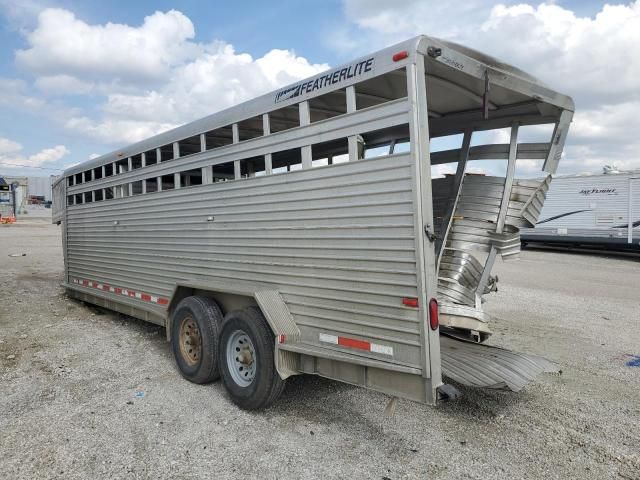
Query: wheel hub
[[241, 358], [190, 341]]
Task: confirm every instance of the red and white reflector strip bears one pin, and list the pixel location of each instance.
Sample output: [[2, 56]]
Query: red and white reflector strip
[[357, 344], [145, 297]]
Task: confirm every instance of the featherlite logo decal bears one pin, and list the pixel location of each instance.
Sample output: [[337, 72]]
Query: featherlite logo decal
[[330, 78]]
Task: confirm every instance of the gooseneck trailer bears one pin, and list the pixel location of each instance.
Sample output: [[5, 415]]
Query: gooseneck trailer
[[302, 231]]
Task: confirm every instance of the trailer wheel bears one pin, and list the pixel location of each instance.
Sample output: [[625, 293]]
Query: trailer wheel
[[246, 359], [195, 332]]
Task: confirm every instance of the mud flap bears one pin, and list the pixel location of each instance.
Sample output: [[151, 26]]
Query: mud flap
[[478, 365]]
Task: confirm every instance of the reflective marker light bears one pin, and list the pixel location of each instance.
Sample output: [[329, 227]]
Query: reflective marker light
[[434, 321], [400, 56], [410, 302]]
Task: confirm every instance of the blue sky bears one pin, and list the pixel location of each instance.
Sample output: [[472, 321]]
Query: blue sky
[[61, 104]]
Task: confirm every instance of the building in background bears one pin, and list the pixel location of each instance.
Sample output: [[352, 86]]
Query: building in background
[[40, 187], [29, 191]]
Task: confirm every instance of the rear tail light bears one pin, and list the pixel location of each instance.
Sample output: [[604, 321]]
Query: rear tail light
[[434, 321]]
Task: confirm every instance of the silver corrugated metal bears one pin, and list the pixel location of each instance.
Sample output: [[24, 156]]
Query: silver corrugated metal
[[473, 229], [337, 242], [478, 365]]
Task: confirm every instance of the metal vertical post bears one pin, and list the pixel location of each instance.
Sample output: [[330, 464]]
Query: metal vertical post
[[502, 214], [266, 130], [130, 168], [457, 188], [236, 138], [351, 108], [425, 253], [207, 172], [305, 119], [143, 163], [630, 213]]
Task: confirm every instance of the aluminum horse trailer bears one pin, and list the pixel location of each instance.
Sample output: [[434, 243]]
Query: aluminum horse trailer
[[301, 232], [590, 210]]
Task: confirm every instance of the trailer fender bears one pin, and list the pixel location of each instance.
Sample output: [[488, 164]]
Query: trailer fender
[[284, 328]]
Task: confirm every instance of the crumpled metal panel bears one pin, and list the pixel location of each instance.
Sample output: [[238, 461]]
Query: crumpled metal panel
[[473, 229], [459, 276], [533, 206], [478, 365]]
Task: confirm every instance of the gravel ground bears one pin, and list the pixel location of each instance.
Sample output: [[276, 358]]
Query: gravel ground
[[91, 395]]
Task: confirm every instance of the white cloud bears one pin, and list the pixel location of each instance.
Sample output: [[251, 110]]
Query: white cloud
[[63, 85], [12, 158], [594, 59], [9, 146], [14, 93], [21, 14], [153, 76], [218, 78], [61, 44], [115, 130]]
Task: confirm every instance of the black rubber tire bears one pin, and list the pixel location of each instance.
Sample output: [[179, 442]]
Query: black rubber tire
[[267, 384], [207, 315]]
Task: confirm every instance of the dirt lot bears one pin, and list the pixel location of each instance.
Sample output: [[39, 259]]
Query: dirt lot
[[87, 395]]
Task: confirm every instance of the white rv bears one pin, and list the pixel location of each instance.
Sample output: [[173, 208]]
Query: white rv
[[301, 232], [590, 210]]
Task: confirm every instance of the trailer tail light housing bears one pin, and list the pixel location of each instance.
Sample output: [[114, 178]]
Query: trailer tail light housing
[[434, 321], [400, 56]]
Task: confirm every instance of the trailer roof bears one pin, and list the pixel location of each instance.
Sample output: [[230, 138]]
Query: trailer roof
[[444, 59]]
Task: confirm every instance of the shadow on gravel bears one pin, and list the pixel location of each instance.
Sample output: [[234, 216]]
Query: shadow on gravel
[[483, 404]]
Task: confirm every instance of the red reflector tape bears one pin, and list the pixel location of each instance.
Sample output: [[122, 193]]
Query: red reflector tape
[[400, 56], [353, 343], [282, 338], [410, 302], [357, 344]]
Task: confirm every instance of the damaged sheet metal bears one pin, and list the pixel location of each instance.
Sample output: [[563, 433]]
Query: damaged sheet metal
[[477, 365]]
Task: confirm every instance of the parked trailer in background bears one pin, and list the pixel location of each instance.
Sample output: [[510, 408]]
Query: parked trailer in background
[[591, 210], [301, 232]]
